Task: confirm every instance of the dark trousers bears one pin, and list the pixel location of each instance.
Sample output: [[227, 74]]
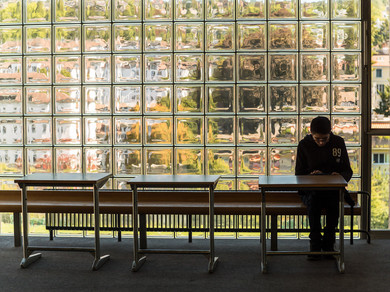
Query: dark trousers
[[316, 201]]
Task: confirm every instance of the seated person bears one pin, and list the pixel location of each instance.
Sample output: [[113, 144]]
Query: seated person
[[322, 152]]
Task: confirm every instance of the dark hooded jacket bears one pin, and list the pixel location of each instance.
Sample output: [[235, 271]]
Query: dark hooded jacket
[[332, 157]]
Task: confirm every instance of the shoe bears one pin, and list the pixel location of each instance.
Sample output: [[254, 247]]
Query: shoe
[[314, 246]]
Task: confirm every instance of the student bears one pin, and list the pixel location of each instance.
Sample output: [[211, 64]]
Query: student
[[322, 152]]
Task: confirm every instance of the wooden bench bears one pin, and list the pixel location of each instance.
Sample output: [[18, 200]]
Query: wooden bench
[[165, 202]]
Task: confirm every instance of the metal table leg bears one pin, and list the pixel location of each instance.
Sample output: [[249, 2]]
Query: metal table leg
[[340, 258], [27, 257], [99, 261], [263, 234], [137, 262], [212, 260]]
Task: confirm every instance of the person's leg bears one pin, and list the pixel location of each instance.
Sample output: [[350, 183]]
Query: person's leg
[[311, 200], [331, 202]]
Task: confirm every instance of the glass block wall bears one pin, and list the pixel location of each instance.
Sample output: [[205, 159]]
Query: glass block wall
[[133, 87]]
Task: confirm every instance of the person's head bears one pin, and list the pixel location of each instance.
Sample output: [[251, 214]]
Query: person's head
[[320, 128]]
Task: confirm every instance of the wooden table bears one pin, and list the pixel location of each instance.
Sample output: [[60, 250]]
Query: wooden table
[[95, 180], [267, 184], [173, 181]]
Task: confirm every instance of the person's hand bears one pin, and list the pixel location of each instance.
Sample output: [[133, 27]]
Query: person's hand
[[316, 172], [333, 173]]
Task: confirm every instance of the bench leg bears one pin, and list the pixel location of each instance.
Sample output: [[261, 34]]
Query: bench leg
[[351, 234], [51, 234], [189, 220], [142, 231], [274, 232], [17, 231], [119, 236]]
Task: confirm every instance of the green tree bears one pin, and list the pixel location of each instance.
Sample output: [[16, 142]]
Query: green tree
[[384, 103], [379, 199]]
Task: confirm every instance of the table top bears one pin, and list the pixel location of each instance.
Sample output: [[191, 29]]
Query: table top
[[174, 181], [302, 181], [63, 179]]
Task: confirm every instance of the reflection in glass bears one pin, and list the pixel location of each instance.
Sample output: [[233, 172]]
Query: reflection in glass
[[39, 160], [220, 9], [314, 98], [305, 125], [158, 68], [97, 130], [68, 69], [11, 131], [68, 160], [97, 69], [189, 36], [38, 100], [282, 161], [38, 39], [314, 67], [245, 184], [189, 161], [346, 35], [125, 10], [283, 130], [283, 67], [251, 36], [158, 9], [348, 128], [189, 68], [11, 161], [314, 9], [11, 100], [252, 161], [220, 36], [38, 130], [283, 98], [97, 160], [346, 9], [127, 37], [283, 36], [10, 70], [68, 39], [221, 161], [355, 160], [128, 68], [67, 100], [220, 98], [158, 37], [158, 99], [68, 130], [252, 130], [11, 11], [10, 39], [97, 100], [226, 185], [159, 161], [252, 67], [346, 98], [68, 10], [346, 67], [189, 99], [283, 8], [189, 130], [189, 9], [220, 130], [127, 99], [158, 130], [128, 161], [220, 67], [38, 70], [97, 10], [97, 38], [128, 130], [251, 9], [251, 98], [314, 36], [38, 10]]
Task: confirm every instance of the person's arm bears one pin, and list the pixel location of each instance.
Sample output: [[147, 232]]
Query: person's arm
[[346, 170], [301, 166]]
